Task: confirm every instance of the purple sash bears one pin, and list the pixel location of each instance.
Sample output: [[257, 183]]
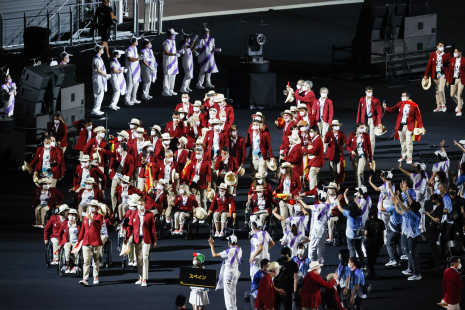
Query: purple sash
[[233, 259], [293, 239], [149, 51], [366, 205], [323, 212], [418, 184], [207, 57], [103, 68], [8, 89], [138, 64], [119, 69], [174, 61]]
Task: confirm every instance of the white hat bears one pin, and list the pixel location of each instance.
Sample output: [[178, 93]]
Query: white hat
[[287, 165], [45, 180], [363, 188], [90, 180], [387, 174], [258, 114], [157, 128], [258, 176], [426, 83], [273, 266], [294, 109], [123, 133], [73, 211], [232, 238], [441, 153], [215, 121], [200, 213], [314, 265], [219, 98], [94, 202], [229, 178], [126, 179], [135, 121], [332, 185], [183, 140], [118, 51], [259, 188], [422, 166], [98, 48], [205, 29], [295, 221], [140, 130], [223, 186], [286, 112], [294, 138], [335, 122], [257, 223], [166, 136], [63, 208], [297, 208], [302, 106], [211, 93], [462, 142], [84, 158], [419, 131], [197, 103], [147, 144], [171, 31], [322, 194], [100, 128]]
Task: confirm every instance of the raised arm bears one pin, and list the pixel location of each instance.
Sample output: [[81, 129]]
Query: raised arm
[[376, 188], [459, 145], [403, 170], [339, 207], [276, 215]]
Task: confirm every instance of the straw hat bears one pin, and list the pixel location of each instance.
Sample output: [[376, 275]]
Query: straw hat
[[174, 176], [210, 194], [124, 134], [335, 122], [419, 131], [294, 138], [157, 128], [211, 93], [229, 178], [140, 130], [294, 109], [183, 140], [73, 211], [259, 189], [124, 249], [133, 199], [103, 209], [286, 165], [380, 132], [94, 202], [197, 103], [219, 98], [181, 110], [200, 213], [126, 179], [216, 121], [332, 185], [200, 142], [27, 167], [259, 114], [286, 112], [258, 176], [84, 158], [100, 128], [63, 208], [223, 186], [314, 265], [302, 123], [271, 164], [166, 136], [273, 266], [372, 165], [426, 83], [241, 171], [302, 106], [90, 180], [147, 144], [330, 276], [135, 121]]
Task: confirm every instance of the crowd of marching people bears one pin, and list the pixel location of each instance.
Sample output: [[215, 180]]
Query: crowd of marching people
[[188, 173]]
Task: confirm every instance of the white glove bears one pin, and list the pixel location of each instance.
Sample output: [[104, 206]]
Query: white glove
[[107, 76], [177, 54], [195, 38], [125, 70], [181, 52], [140, 57], [196, 178], [196, 54], [217, 49]]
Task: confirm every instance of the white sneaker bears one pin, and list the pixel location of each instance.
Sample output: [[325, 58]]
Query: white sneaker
[[139, 281], [404, 257], [458, 114], [114, 108], [199, 87], [73, 270], [391, 263], [188, 89], [400, 159], [414, 277], [144, 283], [328, 240], [444, 109], [149, 96], [217, 234], [173, 93], [96, 281], [437, 110], [166, 94], [456, 108], [221, 235], [168, 219], [84, 282], [135, 101], [97, 112], [407, 272], [128, 103], [194, 220], [145, 98], [209, 86], [67, 270], [409, 161], [100, 264]]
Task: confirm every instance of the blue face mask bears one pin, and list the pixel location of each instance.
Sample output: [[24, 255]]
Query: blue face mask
[[137, 43], [206, 36], [189, 41], [173, 37], [150, 45], [10, 80]]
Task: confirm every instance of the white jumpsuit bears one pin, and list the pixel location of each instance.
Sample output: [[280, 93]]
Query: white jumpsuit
[[229, 275], [10, 88], [366, 206], [170, 66], [149, 74], [261, 237], [384, 191], [188, 66], [419, 185], [320, 216], [118, 82], [133, 74], [206, 60], [292, 241], [99, 82]]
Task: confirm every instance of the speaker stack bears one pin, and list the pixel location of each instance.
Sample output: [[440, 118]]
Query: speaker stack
[[71, 99]]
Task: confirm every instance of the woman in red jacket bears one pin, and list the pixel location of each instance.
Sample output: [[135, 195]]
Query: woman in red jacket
[[85, 195], [290, 185], [52, 229], [59, 130], [310, 293], [184, 204], [266, 288], [44, 198], [68, 237], [452, 284]]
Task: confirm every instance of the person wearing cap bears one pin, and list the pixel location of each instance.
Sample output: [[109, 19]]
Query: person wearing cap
[[142, 228], [138, 145], [289, 184], [170, 63], [89, 192], [186, 105], [68, 237], [305, 97], [316, 161], [157, 198], [305, 116], [52, 229], [91, 241], [61, 162], [133, 201], [287, 281], [85, 128], [184, 205], [261, 118], [260, 205], [196, 112], [293, 237], [198, 297], [261, 242], [117, 80], [300, 217], [265, 299], [224, 164], [323, 111], [294, 154], [222, 207], [123, 192], [286, 127], [47, 161], [221, 105], [335, 141], [148, 68], [294, 111], [363, 201], [181, 154], [146, 158], [45, 198], [200, 175], [370, 113], [438, 66], [260, 148], [133, 125], [122, 164], [443, 163], [155, 139], [456, 79], [206, 58], [99, 80], [84, 171], [209, 101], [187, 47], [97, 145], [167, 169], [408, 119], [59, 130], [133, 74], [335, 215], [257, 180], [229, 273], [311, 291], [359, 147]]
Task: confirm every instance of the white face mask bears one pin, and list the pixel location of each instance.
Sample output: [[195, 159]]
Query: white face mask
[[89, 127], [92, 210], [436, 179], [258, 118], [53, 143], [124, 185], [223, 119], [303, 129], [300, 251], [319, 271], [255, 127], [150, 149], [179, 146], [132, 126], [166, 142], [181, 191], [138, 135], [259, 181], [298, 86], [456, 54], [196, 109], [286, 118], [222, 193], [283, 171], [140, 207], [259, 194], [459, 266], [102, 135], [159, 186], [181, 116], [47, 146], [276, 273], [169, 159], [312, 134], [56, 121], [71, 217], [217, 127], [336, 128], [195, 262], [441, 48], [175, 120], [404, 98], [46, 186], [222, 103], [120, 138], [198, 156], [88, 186], [369, 94], [132, 208], [295, 131], [361, 130], [302, 113], [233, 133], [184, 100], [304, 88], [324, 95], [85, 165]]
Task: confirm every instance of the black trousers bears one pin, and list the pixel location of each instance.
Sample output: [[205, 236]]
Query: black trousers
[[447, 234], [432, 233], [372, 256], [355, 245], [285, 301]]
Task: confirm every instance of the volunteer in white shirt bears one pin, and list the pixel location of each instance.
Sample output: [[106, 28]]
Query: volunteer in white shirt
[[261, 242]]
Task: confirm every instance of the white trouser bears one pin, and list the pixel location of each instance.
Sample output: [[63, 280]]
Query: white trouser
[[456, 90], [323, 127], [316, 248], [142, 254], [286, 210], [98, 98], [146, 88], [68, 246], [168, 82], [358, 163], [114, 199], [372, 127], [185, 84], [179, 218], [55, 245], [202, 78], [115, 96], [230, 278], [406, 142], [453, 307], [313, 176], [132, 89], [140, 183], [440, 85], [262, 214], [258, 166], [90, 252]]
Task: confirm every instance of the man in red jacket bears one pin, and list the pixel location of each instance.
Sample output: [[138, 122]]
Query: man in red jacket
[[222, 207], [59, 130], [370, 113], [47, 161], [456, 79], [91, 241], [186, 105], [97, 145], [452, 284], [323, 111], [84, 171], [52, 230], [184, 205], [200, 177], [86, 133], [260, 147], [225, 164], [408, 118], [307, 96], [221, 105], [237, 147], [316, 159], [142, 227], [286, 127], [359, 148], [294, 154], [438, 65], [335, 141], [123, 192], [266, 288], [310, 292], [122, 165], [45, 198]]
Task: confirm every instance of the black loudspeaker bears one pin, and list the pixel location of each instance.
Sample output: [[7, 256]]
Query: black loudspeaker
[[423, 25], [70, 74], [36, 40], [71, 97], [257, 89], [28, 108]]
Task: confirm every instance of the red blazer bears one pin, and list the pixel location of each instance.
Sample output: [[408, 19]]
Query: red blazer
[[94, 172], [82, 140], [158, 148], [229, 113], [189, 113], [54, 155], [142, 166], [328, 111], [240, 154], [330, 299], [375, 107], [98, 195], [192, 137], [296, 186], [60, 134], [219, 206], [182, 159], [160, 204], [268, 190], [265, 145], [431, 67], [295, 158], [287, 131], [61, 165], [205, 173], [318, 151], [330, 139], [90, 233], [266, 293], [56, 197], [131, 190], [450, 75], [352, 145], [310, 292], [232, 164], [270, 203], [89, 149], [149, 233], [307, 99], [413, 116], [128, 165], [133, 138], [158, 171], [208, 141], [451, 286], [63, 234], [180, 131], [191, 203], [52, 228], [311, 119]]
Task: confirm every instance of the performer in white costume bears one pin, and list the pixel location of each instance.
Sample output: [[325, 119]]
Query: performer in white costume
[[206, 49], [99, 80], [10, 87], [187, 62], [133, 75], [170, 63], [149, 68], [117, 80]]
